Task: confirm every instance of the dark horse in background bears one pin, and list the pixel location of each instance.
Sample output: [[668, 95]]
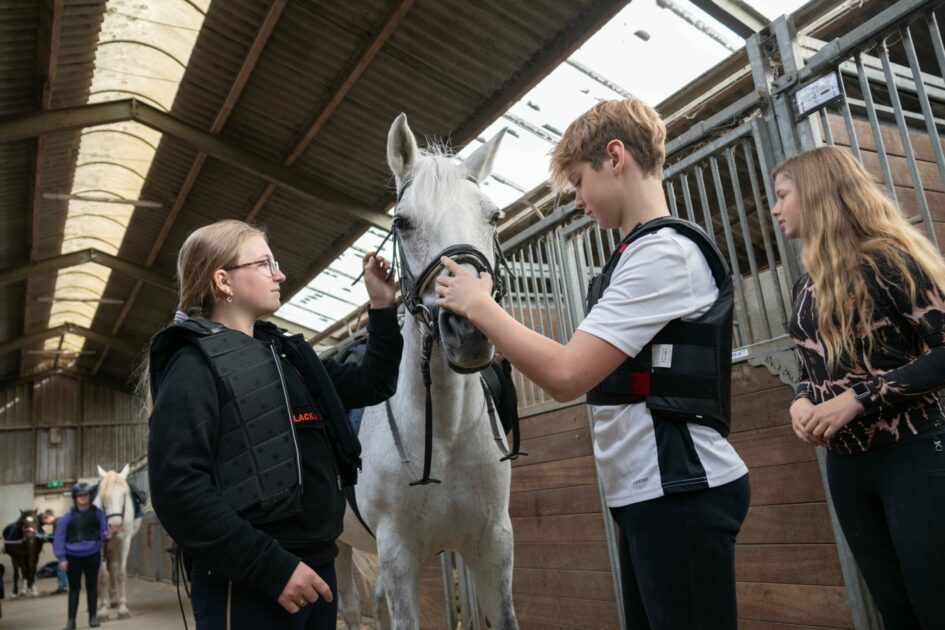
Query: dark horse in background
[[23, 547]]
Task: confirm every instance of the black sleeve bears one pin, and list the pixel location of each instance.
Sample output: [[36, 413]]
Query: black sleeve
[[803, 388], [181, 442], [374, 380], [925, 315]]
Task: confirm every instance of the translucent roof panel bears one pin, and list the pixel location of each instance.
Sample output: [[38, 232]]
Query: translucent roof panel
[[142, 52], [645, 50]]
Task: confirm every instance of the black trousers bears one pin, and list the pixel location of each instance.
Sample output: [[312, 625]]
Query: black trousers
[[677, 558], [79, 566], [891, 507], [216, 599]]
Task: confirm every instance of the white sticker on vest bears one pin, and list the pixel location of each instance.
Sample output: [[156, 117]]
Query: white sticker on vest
[[662, 355]]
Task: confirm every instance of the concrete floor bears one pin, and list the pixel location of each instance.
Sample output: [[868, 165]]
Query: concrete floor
[[153, 606]]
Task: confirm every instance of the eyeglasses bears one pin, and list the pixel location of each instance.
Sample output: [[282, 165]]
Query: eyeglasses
[[273, 265]]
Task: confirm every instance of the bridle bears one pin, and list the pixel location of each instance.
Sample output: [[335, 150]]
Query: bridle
[[412, 288]]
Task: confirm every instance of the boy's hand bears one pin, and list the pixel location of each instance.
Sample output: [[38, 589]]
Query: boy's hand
[[64, 565], [380, 290], [462, 292], [303, 588]]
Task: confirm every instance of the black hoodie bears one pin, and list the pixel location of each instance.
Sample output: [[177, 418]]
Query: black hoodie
[[183, 438]]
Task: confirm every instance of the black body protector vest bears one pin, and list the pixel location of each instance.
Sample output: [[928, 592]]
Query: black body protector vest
[[257, 465], [83, 525], [684, 373]]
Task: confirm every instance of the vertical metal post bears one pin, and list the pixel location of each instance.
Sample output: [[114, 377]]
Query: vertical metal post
[[789, 257], [848, 121], [762, 75], [746, 237], [704, 202], [862, 607], [907, 142], [875, 127], [807, 134], [687, 197], [765, 237], [825, 124], [574, 290], [671, 196], [741, 309], [449, 590], [924, 103]]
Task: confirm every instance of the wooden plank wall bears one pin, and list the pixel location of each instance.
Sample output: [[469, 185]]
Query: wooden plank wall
[[562, 569], [787, 569], [899, 166]]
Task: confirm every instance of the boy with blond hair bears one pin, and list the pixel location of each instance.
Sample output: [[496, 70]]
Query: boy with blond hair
[[653, 356]]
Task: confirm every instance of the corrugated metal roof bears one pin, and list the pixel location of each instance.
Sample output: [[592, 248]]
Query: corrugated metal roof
[[443, 62]]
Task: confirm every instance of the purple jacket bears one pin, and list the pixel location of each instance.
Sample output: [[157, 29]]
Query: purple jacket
[[61, 548]]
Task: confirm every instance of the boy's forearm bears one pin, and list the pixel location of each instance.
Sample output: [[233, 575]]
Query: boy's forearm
[[536, 356]]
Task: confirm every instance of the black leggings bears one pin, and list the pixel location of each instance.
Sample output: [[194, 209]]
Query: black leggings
[[79, 565], [891, 506], [677, 558], [215, 600]]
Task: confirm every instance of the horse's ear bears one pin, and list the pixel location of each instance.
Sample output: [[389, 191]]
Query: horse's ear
[[124, 472], [479, 164], [401, 147], [101, 471]]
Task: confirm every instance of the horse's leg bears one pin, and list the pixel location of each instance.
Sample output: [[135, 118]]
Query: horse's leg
[[491, 566], [349, 598], [381, 607], [16, 579], [120, 576], [400, 576], [103, 579]]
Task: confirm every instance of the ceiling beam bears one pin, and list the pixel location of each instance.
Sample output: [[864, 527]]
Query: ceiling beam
[[67, 329], [591, 18], [63, 261], [736, 15], [47, 64], [38, 123], [236, 89]]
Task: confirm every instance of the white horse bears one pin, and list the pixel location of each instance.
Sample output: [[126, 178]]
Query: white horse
[[440, 205], [114, 498]]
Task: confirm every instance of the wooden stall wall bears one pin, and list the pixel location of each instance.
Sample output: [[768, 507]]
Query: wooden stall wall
[[562, 574], [786, 563]]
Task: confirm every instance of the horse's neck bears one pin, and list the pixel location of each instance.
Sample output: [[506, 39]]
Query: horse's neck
[[454, 394]]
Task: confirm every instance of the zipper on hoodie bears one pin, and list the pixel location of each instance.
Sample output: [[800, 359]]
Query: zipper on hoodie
[[285, 395]]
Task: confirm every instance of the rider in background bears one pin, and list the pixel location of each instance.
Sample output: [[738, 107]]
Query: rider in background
[[673, 483], [48, 518], [249, 448], [77, 545]]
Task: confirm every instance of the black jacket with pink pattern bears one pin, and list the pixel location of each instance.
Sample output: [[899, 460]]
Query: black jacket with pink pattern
[[904, 369]]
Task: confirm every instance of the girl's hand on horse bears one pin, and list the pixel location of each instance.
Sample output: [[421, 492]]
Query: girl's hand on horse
[[303, 588], [461, 292], [379, 287], [64, 565]]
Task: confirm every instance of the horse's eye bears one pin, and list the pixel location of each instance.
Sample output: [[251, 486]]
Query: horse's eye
[[495, 218], [400, 222]]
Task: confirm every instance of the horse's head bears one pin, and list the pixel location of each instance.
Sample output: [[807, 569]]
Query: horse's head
[[441, 210], [113, 495], [28, 522]]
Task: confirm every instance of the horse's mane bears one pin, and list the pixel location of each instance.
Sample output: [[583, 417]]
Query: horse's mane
[[436, 176], [110, 482]]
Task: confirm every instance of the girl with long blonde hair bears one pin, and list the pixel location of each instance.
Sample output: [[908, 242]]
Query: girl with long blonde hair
[[868, 323], [249, 449]]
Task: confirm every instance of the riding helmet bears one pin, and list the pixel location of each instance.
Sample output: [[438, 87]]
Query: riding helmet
[[80, 489]]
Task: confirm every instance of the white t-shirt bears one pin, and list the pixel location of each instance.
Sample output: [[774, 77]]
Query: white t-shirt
[[660, 277]]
